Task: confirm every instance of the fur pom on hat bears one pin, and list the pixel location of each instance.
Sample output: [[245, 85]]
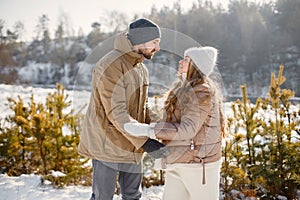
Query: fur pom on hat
[[203, 57]]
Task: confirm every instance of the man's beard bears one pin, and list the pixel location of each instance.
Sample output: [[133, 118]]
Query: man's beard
[[147, 55]]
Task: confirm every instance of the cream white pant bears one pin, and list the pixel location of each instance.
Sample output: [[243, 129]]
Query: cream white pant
[[184, 182]]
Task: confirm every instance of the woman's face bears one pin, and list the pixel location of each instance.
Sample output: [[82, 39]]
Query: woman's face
[[183, 65]]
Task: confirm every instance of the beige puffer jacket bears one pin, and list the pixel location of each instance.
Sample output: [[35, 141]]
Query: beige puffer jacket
[[119, 95], [195, 135]]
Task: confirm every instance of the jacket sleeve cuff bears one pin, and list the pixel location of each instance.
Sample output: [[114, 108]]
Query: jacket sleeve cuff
[[152, 131]]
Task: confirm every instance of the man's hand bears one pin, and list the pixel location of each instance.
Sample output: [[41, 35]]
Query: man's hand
[[156, 149]]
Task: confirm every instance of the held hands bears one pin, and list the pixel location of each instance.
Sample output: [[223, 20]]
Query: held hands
[[153, 147], [156, 149], [140, 129]]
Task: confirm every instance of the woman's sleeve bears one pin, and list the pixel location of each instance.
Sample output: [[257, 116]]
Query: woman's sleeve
[[192, 119]]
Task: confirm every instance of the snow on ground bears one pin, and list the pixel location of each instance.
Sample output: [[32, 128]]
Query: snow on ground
[[78, 98], [28, 187]]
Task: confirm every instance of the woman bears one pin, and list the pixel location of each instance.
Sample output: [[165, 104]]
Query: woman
[[192, 128]]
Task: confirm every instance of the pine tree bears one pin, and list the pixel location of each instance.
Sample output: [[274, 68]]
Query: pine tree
[[17, 139], [34, 140], [42, 39], [56, 103], [95, 36], [40, 126], [242, 149], [281, 140], [264, 145], [64, 156]]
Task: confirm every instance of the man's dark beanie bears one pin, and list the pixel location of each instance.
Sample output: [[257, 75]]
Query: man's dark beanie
[[142, 31]]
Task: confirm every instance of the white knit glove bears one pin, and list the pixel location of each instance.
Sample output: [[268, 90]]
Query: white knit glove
[[140, 129]]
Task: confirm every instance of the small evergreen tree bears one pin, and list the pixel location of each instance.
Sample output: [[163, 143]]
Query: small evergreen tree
[[263, 152], [240, 152], [39, 127], [64, 156], [282, 143], [18, 139], [34, 140]]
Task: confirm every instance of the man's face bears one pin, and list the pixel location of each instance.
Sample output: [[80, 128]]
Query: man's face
[[148, 49]]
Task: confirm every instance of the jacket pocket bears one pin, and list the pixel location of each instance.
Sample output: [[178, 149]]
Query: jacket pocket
[[116, 144]]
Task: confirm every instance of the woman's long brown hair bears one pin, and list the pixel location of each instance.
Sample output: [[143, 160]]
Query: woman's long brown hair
[[179, 92]]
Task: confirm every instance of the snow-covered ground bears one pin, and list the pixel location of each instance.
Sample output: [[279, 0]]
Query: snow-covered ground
[[28, 187], [78, 98]]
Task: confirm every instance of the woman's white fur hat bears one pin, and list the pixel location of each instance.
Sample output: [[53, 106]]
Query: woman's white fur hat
[[204, 58]]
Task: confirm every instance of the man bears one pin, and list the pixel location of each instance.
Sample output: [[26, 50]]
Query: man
[[119, 95]]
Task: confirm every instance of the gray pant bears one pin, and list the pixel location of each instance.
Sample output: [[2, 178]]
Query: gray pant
[[104, 180]]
